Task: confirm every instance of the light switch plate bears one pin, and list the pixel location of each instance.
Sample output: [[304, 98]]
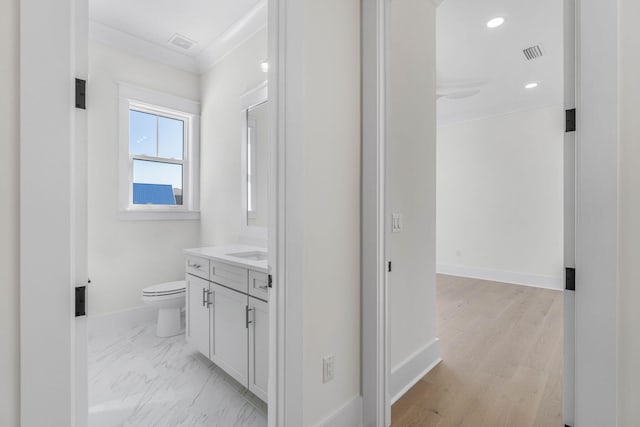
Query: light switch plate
[[328, 368], [396, 223]]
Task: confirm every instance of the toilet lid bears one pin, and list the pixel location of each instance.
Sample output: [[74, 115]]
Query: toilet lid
[[169, 288]]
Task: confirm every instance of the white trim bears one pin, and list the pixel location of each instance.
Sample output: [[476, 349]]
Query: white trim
[[348, 415], [130, 96], [569, 241], [235, 36], [596, 333], [375, 349], [413, 368], [142, 48], [511, 277], [158, 215], [51, 139], [286, 200]]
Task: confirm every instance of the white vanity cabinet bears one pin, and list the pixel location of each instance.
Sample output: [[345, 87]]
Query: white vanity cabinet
[[228, 314]]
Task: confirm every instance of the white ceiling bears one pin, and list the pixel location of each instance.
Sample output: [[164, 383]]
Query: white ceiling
[[145, 27], [468, 50]]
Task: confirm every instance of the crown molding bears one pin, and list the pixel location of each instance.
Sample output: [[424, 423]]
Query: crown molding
[[232, 38], [140, 47]]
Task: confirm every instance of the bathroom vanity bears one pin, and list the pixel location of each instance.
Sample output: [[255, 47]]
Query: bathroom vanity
[[227, 311]]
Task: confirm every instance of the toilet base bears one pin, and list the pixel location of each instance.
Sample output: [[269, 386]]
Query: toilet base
[[169, 322]]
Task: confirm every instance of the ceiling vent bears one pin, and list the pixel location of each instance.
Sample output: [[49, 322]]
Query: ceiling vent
[[533, 52], [181, 41]]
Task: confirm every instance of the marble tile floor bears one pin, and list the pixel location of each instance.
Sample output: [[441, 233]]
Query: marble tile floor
[[138, 379]]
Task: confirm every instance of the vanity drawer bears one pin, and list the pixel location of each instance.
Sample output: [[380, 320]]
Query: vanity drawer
[[197, 266], [230, 276], [259, 285]]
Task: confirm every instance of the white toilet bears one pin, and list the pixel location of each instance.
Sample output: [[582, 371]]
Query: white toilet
[[169, 299]]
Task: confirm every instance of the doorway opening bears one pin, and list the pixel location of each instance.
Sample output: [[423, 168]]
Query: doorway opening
[[178, 306], [496, 102]]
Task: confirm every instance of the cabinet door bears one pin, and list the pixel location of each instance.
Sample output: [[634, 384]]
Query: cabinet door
[[259, 348], [229, 349], [198, 318]]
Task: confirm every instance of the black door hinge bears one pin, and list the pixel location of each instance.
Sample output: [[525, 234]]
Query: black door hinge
[[570, 120], [389, 267], [81, 301], [270, 281], [81, 94], [570, 279]]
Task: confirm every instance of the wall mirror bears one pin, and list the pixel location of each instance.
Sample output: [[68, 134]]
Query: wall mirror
[[255, 162]]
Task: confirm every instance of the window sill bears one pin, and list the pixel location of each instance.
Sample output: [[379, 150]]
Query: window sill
[[158, 215]]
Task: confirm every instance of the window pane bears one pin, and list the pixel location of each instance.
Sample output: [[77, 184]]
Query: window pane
[[143, 133], [170, 137], [157, 183]]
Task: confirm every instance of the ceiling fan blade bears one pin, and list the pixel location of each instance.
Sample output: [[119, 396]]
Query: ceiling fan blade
[[458, 94], [446, 85]]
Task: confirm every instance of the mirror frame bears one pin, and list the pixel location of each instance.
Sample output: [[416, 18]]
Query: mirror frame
[[250, 99]]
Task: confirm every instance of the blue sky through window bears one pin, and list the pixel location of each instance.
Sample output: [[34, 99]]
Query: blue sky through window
[[155, 136], [170, 138], [143, 134]]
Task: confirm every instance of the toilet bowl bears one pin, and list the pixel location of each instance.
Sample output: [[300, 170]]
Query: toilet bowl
[[169, 299]]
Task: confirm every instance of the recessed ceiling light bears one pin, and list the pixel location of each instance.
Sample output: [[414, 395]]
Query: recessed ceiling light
[[495, 22], [531, 85]]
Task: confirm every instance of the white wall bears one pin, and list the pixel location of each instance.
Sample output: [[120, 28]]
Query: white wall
[[9, 211], [126, 256], [629, 291], [500, 197], [412, 182], [331, 213], [222, 87]]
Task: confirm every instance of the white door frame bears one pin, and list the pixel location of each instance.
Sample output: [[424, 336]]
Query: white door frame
[[375, 345], [286, 196], [596, 205], [53, 223], [53, 213]]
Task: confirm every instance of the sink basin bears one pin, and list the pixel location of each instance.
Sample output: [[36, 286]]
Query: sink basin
[[251, 256]]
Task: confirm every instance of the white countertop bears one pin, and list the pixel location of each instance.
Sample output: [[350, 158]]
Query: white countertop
[[221, 253]]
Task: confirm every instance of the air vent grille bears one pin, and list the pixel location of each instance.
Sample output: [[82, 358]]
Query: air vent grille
[[181, 41], [533, 52]]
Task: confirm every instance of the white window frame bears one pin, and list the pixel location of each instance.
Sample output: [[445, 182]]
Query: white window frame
[[161, 104]]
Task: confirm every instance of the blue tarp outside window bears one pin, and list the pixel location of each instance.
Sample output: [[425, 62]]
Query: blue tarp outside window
[[153, 194]]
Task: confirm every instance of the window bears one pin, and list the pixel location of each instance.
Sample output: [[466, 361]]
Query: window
[[159, 155]]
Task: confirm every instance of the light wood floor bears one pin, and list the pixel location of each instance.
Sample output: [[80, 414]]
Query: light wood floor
[[502, 359]]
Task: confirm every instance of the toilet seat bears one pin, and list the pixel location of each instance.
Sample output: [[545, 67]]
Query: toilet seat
[[165, 289]]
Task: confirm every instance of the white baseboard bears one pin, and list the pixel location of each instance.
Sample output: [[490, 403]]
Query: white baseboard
[[408, 373], [348, 415], [537, 281], [118, 321]]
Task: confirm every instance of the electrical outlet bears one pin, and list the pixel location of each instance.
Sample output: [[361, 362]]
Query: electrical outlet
[[328, 368]]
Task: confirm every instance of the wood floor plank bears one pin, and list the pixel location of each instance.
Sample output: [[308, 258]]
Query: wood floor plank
[[502, 359]]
